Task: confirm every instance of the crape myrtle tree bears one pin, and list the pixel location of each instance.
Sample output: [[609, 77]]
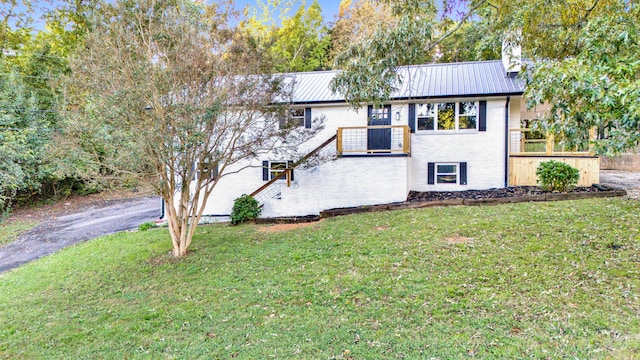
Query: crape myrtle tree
[[181, 99]]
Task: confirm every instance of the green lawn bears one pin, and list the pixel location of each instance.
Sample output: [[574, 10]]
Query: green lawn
[[10, 230], [529, 280]]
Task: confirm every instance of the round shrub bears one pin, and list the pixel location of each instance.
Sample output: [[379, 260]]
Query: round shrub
[[245, 208], [557, 176]]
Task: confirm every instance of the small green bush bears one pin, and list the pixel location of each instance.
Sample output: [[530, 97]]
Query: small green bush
[[245, 208], [146, 226], [557, 176]]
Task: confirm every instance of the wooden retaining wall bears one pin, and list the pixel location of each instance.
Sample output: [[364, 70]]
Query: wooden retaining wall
[[522, 168]]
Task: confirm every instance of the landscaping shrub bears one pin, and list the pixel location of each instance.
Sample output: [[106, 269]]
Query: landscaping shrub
[[245, 208], [146, 226], [557, 176]]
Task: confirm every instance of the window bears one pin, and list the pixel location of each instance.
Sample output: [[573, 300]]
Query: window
[[446, 116], [211, 170], [380, 113], [297, 117], [468, 115], [446, 173], [208, 169], [271, 169], [450, 116], [426, 114], [276, 168]]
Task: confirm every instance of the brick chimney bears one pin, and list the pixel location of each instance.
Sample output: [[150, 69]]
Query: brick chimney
[[511, 55]]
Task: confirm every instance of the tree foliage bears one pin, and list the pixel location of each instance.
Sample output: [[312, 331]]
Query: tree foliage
[[357, 21], [300, 43], [369, 67], [596, 88], [468, 41], [548, 29], [182, 98], [24, 136], [31, 61]]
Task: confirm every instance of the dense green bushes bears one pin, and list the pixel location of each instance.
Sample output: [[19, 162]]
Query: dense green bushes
[[557, 176], [245, 208]]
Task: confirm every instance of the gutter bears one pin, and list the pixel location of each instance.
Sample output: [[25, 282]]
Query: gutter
[[506, 142]]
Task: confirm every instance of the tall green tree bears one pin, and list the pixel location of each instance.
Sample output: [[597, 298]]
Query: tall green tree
[[357, 21], [24, 137], [300, 42], [369, 66], [30, 62], [598, 88]]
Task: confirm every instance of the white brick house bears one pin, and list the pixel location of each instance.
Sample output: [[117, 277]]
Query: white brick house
[[446, 129]]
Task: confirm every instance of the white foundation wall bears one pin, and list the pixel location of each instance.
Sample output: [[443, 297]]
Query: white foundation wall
[[483, 151], [346, 182]]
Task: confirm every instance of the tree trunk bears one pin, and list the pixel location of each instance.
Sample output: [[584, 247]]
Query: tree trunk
[[179, 227]]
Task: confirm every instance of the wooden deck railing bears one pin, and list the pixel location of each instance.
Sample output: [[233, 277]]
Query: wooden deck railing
[[287, 172], [374, 140], [528, 142]]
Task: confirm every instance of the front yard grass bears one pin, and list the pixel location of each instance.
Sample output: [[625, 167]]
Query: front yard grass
[[529, 280], [9, 231]]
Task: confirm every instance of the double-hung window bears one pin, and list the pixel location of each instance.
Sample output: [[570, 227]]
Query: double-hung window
[[449, 116], [447, 173], [272, 169], [296, 117]]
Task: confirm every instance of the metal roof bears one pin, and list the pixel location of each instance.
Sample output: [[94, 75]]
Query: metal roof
[[466, 79]]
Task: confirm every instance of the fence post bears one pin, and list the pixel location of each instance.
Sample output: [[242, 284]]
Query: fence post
[[406, 144], [550, 143], [593, 135], [339, 142]]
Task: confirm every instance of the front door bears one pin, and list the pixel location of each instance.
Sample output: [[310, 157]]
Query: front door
[[379, 139]]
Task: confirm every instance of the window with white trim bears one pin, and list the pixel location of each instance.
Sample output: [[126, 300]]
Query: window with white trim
[[271, 169], [446, 173], [276, 168], [450, 116], [210, 169], [295, 118]]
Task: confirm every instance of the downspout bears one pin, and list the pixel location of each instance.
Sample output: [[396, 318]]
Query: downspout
[[506, 143], [162, 210]]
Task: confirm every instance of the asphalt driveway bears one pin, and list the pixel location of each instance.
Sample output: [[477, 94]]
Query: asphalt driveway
[[94, 221]]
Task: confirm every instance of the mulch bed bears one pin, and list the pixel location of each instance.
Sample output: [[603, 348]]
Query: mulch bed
[[417, 200], [511, 192]]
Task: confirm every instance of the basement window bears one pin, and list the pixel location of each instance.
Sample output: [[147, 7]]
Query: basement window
[[446, 173]]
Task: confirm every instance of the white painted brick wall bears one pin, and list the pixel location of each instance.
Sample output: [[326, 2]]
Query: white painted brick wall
[[483, 152], [354, 181], [346, 182]]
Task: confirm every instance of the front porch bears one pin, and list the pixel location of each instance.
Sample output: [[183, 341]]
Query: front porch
[[382, 140], [527, 149]]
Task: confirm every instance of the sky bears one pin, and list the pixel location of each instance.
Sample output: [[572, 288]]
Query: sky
[[329, 7]]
